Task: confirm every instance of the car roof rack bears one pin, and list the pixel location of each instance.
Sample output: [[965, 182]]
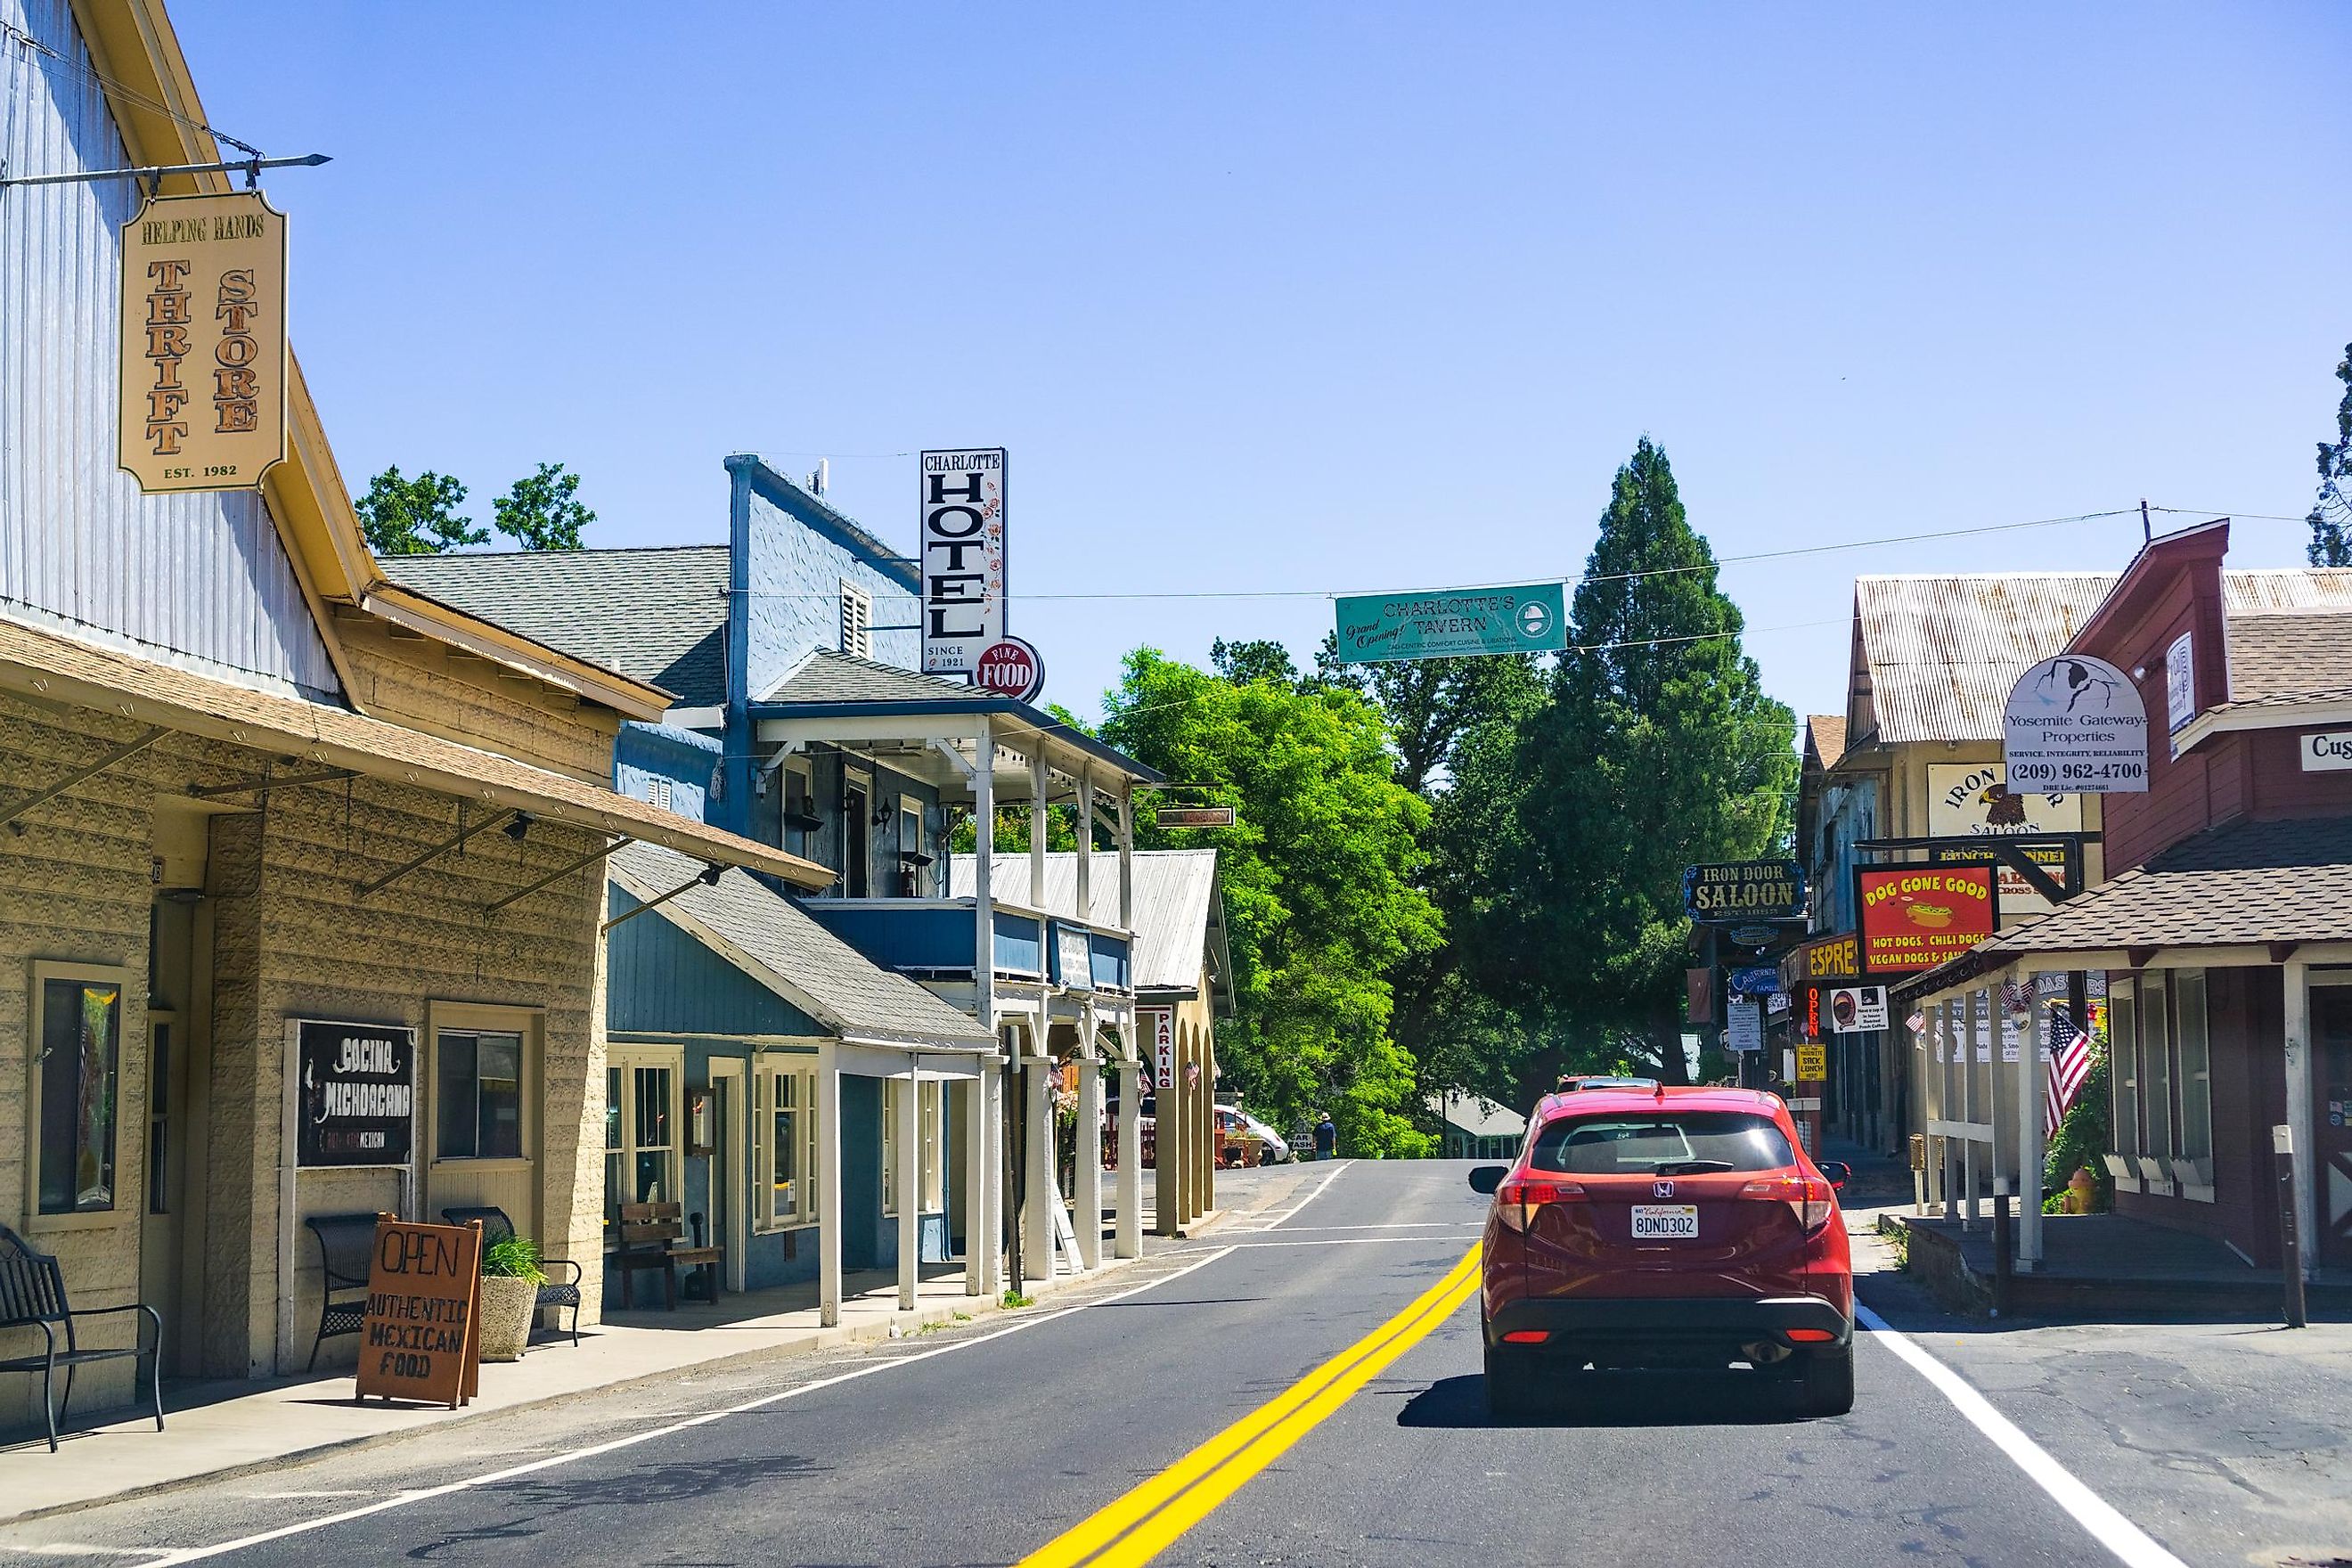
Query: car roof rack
[[1578, 1084]]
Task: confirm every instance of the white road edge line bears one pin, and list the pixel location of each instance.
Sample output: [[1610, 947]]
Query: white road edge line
[[403, 1499], [1391, 1225], [1292, 1211], [2108, 1527], [1351, 1241]]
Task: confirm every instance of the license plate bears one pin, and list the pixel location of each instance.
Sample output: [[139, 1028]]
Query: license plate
[[1665, 1222]]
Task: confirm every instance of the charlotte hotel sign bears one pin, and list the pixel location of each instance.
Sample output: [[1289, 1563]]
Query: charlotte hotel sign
[[204, 343], [963, 555]]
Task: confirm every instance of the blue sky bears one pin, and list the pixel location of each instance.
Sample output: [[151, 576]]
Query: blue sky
[[1326, 298]]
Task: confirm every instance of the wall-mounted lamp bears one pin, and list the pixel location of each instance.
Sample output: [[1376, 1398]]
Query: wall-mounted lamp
[[520, 828]]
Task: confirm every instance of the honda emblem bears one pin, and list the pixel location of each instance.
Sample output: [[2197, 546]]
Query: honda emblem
[[1662, 1189]]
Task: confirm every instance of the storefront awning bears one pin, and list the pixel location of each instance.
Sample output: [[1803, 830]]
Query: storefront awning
[[2248, 892], [777, 943], [61, 670]]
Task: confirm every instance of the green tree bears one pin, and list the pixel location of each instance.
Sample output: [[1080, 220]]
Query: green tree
[[1262, 658], [1318, 879], [2331, 514], [1658, 749], [401, 516], [1432, 704], [542, 511]]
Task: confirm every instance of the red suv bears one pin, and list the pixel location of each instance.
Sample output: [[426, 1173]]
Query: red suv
[[1653, 1226]]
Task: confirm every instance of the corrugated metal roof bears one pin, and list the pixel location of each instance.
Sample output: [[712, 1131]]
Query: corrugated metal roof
[[1175, 905], [781, 946], [1478, 1117], [1943, 652], [654, 615]]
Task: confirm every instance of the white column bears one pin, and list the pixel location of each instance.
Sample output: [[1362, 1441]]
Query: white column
[[983, 934], [1085, 842], [975, 1185], [1038, 1106], [909, 1137], [992, 1116], [2030, 1082], [1087, 1205], [1037, 827], [828, 1189], [1125, 856], [2293, 975], [1129, 1241]]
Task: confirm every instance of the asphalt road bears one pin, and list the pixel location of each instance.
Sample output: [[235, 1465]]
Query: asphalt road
[[983, 1444]]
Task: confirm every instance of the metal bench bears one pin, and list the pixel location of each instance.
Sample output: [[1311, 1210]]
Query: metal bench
[[649, 1237], [33, 1295], [556, 1293], [346, 1252]]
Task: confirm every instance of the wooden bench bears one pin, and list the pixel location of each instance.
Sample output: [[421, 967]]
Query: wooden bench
[[33, 1295], [558, 1292], [650, 1237]]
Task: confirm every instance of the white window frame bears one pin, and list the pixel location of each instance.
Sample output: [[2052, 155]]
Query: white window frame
[[628, 1059], [2193, 1079], [659, 792], [765, 1071], [890, 1148], [931, 1103], [2123, 1073], [469, 1018], [910, 808], [856, 620]]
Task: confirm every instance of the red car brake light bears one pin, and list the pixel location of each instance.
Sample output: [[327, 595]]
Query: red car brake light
[[1517, 1201], [1809, 1198]]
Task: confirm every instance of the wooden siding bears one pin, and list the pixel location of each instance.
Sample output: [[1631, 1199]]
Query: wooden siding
[[661, 981]]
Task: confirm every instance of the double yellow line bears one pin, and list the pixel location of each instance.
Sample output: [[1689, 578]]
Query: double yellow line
[[1138, 1527]]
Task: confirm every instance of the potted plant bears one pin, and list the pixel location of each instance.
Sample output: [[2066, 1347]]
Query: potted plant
[[510, 1281]]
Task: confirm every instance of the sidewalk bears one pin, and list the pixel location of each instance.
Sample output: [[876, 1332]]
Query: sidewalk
[[212, 1430]]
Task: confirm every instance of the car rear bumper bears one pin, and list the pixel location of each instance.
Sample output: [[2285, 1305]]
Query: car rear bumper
[[1574, 1323]]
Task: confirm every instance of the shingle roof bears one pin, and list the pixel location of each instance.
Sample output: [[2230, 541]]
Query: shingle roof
[[1942, 652], [827, 676], [2239, 883], [656, 615], [1175, 905], [2289, 653], [781, 945], [1825, 738]]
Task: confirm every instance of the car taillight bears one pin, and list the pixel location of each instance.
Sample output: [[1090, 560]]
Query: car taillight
[[1809, 1198], [1519, 1200]]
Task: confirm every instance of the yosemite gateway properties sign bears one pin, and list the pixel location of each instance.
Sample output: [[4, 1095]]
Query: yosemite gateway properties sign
[[2075, 725], [202, 394], [1916, 917], [961, 549], [1737, 890]]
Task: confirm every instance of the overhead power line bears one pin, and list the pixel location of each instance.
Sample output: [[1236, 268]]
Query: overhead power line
[[51, 59]]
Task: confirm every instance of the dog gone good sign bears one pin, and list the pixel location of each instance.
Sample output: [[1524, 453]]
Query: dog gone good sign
[[1916, 917]]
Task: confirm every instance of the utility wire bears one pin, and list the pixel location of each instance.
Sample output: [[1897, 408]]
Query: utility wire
[[91, 74]]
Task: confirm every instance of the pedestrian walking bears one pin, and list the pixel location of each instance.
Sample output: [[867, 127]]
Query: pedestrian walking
[[1326, 1138]]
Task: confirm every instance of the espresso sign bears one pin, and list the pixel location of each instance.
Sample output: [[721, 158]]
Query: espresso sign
[[962, 555], [420, 1338], [357, 1094], [204, 343]]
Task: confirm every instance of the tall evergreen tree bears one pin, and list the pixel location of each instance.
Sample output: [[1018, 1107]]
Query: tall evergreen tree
[[2331, 513], [1657, 750]]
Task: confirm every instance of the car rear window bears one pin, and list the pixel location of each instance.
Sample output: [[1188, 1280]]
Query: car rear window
[[1639, 1144]]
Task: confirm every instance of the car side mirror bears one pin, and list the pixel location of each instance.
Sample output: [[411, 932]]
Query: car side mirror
[[1487, 1178], [1837, 1171]]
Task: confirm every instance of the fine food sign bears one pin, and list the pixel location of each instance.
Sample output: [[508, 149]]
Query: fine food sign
[[419, 1338], [961, 549], [2075, 725], [202, 390], [1011, 668], [1742, 890], [358, 1094], [1531, 617], [1916, 917]]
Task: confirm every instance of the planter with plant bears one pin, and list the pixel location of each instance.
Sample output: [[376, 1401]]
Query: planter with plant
[[510, 1281]]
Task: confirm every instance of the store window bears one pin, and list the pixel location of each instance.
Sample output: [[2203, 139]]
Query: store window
[[478, 1095], [2155, 1064], [889, 1147], [912, 861], [785, 1151], [75, 1079], [2196, 1071], [2123, 1067], [931, 1125], [642, 1117]]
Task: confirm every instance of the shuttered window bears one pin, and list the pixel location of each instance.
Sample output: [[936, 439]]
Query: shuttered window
[[856, 621]]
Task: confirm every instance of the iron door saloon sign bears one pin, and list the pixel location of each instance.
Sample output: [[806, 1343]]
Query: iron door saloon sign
[[963, 555], [203, 343], [358, 1091], [1744, 890]]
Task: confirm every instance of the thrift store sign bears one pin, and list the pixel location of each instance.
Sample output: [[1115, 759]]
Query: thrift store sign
[[962, 550], [1916, 917], [204, 343]]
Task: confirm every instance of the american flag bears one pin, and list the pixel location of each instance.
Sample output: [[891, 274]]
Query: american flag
[[2070, 1063]]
